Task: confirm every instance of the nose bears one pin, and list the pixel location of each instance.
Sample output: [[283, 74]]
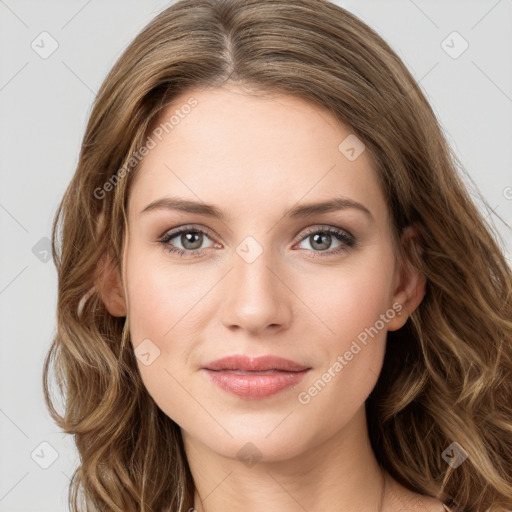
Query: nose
[[257, 298]]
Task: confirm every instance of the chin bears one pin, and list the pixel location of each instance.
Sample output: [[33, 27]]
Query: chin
[[257, 437]]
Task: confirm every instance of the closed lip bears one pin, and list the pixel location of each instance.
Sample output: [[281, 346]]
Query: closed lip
[[247, 363]]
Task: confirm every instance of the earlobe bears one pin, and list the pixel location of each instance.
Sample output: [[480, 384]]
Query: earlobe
[[411, 286], [108, 283]]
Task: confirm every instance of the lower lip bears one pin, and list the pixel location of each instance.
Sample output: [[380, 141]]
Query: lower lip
[[255, 385]]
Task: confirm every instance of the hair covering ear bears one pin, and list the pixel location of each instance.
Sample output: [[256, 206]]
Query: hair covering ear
[[411, 286], [109, 286]]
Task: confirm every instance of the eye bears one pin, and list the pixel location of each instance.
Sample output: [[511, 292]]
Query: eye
[[321, 239], [189, 237], [189, 240]]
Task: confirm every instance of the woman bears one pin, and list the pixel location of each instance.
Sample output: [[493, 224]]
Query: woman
[[274, 291]]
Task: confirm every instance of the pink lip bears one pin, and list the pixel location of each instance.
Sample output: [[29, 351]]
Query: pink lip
[[241, 375]]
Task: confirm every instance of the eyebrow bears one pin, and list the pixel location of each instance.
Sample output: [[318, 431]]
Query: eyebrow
[[296, 212]]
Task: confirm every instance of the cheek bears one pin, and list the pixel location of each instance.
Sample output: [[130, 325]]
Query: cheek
[[164, 298], [167, 304], [356, 307], [354, 295]]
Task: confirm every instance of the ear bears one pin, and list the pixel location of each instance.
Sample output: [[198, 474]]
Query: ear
[[109, 285], [410, 284]]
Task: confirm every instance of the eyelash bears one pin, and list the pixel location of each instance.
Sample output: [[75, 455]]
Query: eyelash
[[343, 236]]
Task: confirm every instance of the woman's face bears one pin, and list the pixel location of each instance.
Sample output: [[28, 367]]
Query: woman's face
[[264, 278]]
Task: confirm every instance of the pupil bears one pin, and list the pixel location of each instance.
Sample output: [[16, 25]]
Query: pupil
[[326, 237], [187, 238]]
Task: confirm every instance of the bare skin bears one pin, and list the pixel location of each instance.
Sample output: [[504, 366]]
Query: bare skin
[[254, 157]]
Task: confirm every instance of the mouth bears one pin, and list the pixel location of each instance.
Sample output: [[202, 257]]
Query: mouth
[[246, 372], [245, 363], [255, 378]]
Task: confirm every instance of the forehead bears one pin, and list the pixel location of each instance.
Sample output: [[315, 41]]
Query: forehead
[[251, 150]]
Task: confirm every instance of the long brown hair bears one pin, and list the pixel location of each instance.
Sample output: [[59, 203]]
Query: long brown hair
[[447, 377]]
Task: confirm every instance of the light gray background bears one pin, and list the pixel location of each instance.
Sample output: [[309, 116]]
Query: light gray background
[[44, 104]]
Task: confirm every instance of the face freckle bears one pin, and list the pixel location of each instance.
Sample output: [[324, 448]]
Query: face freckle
[[266, 282]]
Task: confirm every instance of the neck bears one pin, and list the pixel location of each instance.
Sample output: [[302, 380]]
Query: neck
[[339, 474]]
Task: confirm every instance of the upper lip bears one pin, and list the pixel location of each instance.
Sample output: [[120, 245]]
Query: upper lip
[[255, 364]]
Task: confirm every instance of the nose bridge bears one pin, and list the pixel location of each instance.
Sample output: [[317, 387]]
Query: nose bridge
[[256, 297]]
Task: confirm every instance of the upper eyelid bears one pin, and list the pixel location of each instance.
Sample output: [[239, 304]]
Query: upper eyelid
[[176, 231], [324, 227]]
